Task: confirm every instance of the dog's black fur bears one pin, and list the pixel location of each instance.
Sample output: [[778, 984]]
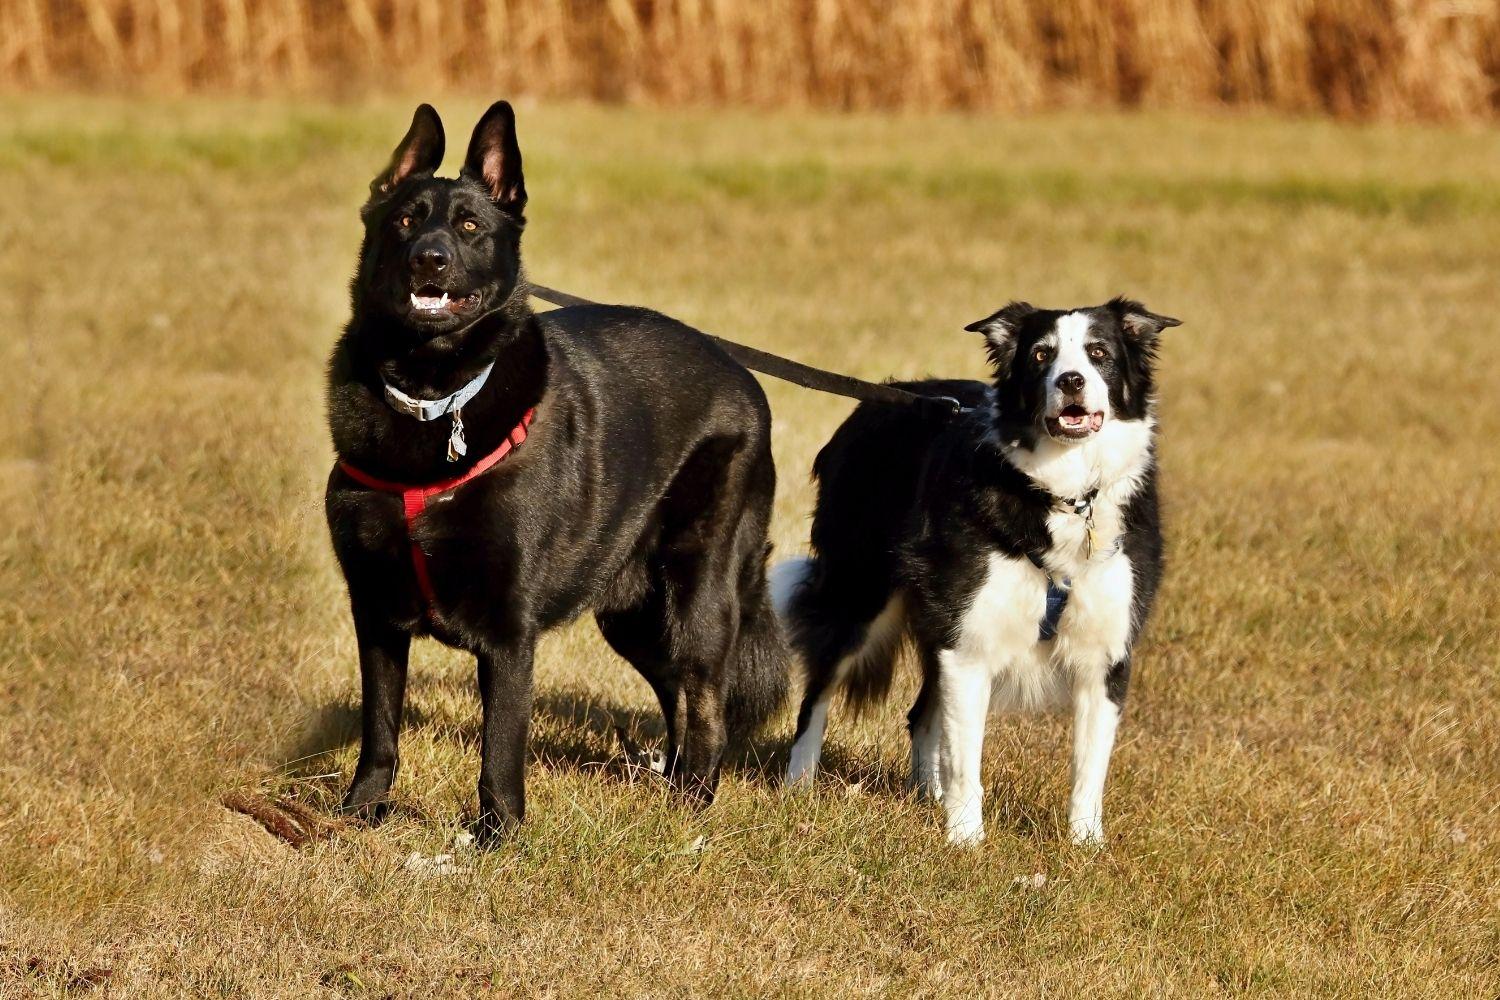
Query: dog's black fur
[[901, 495], [642, 492], [912, 512]]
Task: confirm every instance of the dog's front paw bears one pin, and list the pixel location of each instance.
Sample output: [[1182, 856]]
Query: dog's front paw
[[965, 825], [367, 801], [925, 788], [799, 780], [1087, 832], [966, 836], [491, 830]]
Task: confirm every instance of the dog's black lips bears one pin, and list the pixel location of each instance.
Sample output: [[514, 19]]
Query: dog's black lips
[[457, 304]]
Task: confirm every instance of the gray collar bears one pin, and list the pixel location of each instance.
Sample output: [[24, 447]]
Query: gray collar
[[431, 409]]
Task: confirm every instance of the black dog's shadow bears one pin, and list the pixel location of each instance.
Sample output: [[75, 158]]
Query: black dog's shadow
[[575, 729], [572, 729]]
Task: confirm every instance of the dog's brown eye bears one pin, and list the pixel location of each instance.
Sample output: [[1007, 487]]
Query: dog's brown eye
[[469, 226], [1097, 353], [1040, 354], [406, 222]]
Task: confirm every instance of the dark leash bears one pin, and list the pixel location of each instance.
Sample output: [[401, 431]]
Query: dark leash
[[796, 372]]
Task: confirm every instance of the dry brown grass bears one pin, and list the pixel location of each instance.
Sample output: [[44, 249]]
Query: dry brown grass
[[1303, 802], [1368, 58]]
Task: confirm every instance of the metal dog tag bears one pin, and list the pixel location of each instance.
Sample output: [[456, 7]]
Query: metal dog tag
[[457, 446]]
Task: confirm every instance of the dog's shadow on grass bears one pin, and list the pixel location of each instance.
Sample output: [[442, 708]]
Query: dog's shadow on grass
[[574, 729], [571, 729]]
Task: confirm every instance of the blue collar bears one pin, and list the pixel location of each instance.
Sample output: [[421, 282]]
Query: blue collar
[[430, 409]]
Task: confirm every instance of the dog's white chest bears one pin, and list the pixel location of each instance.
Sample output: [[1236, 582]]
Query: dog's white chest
[[1002, 631], [1003, 625]]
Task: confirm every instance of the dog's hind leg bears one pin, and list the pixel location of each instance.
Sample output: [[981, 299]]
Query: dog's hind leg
[[701, 629], [696, 567], [807, 748], [637, 635], [925, 727], [787, 582], [838, 654], [688, 683], [383, 652]]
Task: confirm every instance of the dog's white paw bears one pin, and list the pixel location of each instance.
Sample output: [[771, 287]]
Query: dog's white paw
[[926, 787], [1087, 832], [800, 778], [965, 824], [966, 835]]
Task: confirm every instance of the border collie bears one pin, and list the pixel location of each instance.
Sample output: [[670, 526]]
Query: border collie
[[500, 473], [1018, 546]]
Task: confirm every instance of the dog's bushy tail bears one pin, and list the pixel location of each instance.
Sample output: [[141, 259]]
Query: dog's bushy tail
[[847, 630], [761, 672]]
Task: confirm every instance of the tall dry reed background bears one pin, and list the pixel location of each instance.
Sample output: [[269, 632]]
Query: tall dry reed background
[[1362, 58]]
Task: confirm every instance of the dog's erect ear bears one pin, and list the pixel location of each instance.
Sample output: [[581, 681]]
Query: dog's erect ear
[[494, 158], [1140, 322], [421, 152], [1000, 331]]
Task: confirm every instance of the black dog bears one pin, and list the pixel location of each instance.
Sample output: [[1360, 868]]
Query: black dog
[[1018, 545], [501, 473]]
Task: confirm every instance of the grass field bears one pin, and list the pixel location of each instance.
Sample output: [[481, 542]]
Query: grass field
[[1304, 798]]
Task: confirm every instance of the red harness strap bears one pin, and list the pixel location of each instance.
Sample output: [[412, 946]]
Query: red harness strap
[[414, 499]]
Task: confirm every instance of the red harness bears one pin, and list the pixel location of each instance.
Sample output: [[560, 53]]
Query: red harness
[[414, 499]]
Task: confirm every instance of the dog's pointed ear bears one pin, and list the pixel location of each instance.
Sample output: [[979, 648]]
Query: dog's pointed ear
[[1000, 330], [421, 152], [494, 158], [1139, 322]]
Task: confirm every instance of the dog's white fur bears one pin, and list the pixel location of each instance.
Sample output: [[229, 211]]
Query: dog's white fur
[[1069, 341], [997, 661]]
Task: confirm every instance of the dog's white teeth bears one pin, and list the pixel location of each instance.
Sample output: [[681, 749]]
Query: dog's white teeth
[[443, 302]]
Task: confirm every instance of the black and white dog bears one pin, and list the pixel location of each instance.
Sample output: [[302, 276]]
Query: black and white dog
[[500, 473], [1018, 545]]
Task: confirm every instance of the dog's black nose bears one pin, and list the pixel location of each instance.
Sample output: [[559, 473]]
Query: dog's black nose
[[429, 258], [1070, 382]]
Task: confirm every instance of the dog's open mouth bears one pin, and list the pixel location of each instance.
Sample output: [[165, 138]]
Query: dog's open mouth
[[429, 300], [1075, 422]]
